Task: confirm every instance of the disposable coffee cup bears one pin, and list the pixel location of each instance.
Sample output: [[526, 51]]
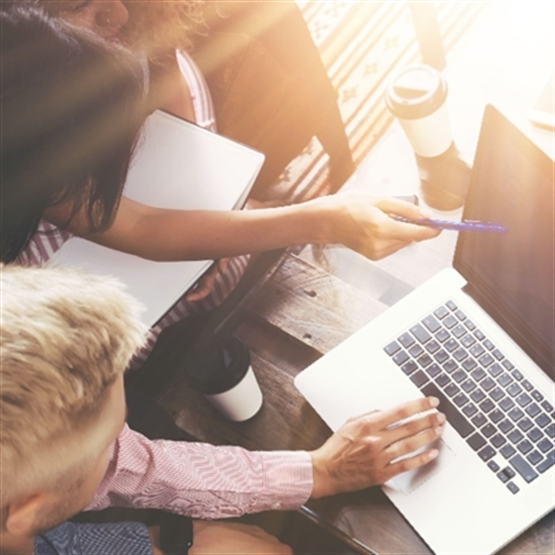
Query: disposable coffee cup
[[242, 401], [225, 377], [417, 96]]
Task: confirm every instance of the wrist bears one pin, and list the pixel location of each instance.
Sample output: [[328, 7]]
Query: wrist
[[321, 478], [321, 217], [154, 533]]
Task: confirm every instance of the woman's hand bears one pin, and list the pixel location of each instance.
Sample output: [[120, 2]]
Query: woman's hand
[[218, 537], [206, 283], [363, 223], [234, 538]]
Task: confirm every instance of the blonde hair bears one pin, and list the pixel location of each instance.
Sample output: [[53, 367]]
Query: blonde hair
[[65, 338], [159, 27]]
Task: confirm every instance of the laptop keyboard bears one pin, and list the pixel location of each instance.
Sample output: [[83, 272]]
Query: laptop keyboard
[[499, 413]]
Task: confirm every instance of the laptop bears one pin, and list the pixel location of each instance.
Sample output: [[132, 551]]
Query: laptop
[[177, 165], [480, 336]]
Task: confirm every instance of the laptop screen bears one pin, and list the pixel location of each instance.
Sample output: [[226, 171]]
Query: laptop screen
[[512, 274]]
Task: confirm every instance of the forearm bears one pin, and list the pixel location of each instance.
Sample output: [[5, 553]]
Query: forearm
[[356, 220], [193, 235], [201, 480]]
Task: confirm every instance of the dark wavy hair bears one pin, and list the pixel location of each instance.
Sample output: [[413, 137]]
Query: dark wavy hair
[[72, 107]]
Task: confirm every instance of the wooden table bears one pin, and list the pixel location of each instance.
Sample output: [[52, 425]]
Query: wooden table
[[319, 296]]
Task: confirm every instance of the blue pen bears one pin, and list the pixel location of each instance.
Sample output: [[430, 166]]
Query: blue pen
[[465, 225]]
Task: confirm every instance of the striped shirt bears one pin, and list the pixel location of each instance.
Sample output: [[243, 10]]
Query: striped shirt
[[205, 115], [50, 239], [119, 538], [201, 480]]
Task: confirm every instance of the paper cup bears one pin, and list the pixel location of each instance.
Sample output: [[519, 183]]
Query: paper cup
[[225, 377], [417, 96], [242, 401]]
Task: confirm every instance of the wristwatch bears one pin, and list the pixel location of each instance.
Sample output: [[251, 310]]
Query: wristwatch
[[176, 534]]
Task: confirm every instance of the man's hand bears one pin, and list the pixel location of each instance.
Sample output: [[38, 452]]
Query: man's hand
[[231, 538], [361, 452]]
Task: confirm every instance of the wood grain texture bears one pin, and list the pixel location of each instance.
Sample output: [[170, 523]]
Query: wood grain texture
[[371, 518], [538, 540], [285, 421], [312, 305]]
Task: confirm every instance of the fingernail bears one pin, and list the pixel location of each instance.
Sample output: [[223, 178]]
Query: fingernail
[[441, 417], [433, 453], [425, 212], [434, 401], [439, 430]]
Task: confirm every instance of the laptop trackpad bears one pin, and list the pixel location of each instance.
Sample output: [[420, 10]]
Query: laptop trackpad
[[413, 479]]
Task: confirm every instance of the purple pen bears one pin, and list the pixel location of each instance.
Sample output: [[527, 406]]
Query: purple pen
[[465, 225]]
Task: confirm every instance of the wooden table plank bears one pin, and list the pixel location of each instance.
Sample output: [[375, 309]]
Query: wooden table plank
[[312, 305]]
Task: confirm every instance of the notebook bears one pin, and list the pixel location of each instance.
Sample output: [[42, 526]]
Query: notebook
[[177, 165], [480, 336]]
